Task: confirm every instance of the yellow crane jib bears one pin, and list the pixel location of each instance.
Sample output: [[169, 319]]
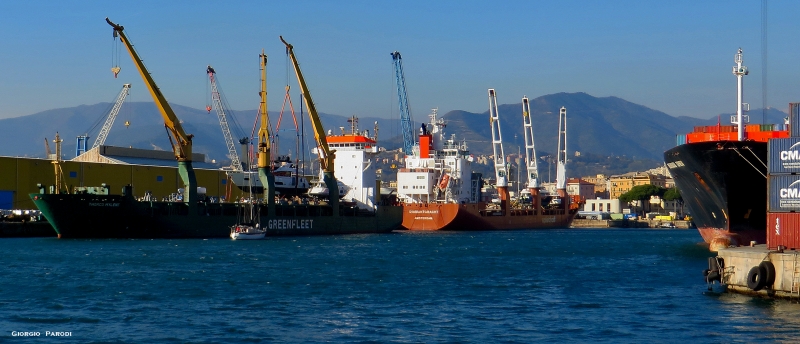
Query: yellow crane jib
[[183, 142], [180, 141], [326, 155]]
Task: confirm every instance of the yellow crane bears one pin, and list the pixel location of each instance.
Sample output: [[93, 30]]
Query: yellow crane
[[326, 155], [180, 141], [264, 158]]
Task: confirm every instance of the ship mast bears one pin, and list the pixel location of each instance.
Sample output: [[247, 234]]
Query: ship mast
[[740, 71], [499, 156]]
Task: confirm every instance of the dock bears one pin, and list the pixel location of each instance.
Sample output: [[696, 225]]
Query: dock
[[758, 271], [606, 223]]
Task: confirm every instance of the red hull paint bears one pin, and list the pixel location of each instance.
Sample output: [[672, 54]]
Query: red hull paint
[[474, 216], [739, 238]]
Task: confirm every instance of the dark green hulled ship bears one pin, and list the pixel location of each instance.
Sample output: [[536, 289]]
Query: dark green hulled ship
[[123, 216], [93, 213]]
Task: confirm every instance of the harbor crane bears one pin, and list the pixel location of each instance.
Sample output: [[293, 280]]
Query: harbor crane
[[326, 155], [180, 141], [561, 157], [530, 154], [236, 163], [500, 170], [402, 100], [264, 159], [101, 138]]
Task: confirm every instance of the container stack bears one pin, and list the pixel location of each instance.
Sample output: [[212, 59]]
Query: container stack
[[783, 190]]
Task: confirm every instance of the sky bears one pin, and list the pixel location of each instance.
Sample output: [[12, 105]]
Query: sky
[[672, 56]]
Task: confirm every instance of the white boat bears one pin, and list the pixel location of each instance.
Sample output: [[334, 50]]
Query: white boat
[[287, 180], [247, 232], [321, 190]]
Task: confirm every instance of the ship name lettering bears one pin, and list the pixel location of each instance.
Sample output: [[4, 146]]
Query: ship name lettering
[[790, 155], [549, 219], [102, 204], [57, 334], [423, 218], [290, 224], [423, 211]]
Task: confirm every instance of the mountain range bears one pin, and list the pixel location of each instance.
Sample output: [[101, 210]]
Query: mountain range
[[604, 126]]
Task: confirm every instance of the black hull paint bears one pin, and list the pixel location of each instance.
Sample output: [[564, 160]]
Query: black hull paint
[[114, 216], [723, 184]]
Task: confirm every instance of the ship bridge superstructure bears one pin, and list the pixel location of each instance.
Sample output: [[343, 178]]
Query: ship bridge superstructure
[[439, 170]]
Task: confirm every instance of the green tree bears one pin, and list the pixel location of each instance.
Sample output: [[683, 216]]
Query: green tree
[[673, 194], [642, 193]]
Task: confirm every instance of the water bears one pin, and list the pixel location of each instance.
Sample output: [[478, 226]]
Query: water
[[518, 286]]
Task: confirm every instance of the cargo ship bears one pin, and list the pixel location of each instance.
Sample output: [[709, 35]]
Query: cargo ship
[[92, 212], [721, 172], [439, 191]]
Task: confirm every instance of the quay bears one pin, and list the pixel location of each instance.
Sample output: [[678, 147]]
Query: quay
[[756, 270], [607, 223]]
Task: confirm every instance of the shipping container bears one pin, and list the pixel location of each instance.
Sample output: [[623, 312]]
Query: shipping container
[[783, 229], [783, 192], [784, 155], [681, 139]]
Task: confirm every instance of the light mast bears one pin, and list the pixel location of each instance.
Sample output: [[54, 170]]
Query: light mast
[[740, 71]]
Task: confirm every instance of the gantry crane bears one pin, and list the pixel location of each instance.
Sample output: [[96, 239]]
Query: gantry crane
[[101, 137], [236, 163], [500, 171], [402, 100], [326, 155], [530, 154], [180, 141]]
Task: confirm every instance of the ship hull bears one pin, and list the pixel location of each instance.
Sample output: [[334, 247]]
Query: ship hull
[[475, 216], [101, 216], [723, 185]]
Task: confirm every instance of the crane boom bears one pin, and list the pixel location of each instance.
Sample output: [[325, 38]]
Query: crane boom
[[530, 149], [264, 169], [561, 168], [181, 142], [402, 97], [326, 155], [500, 171], [101, 138], [236, 163]]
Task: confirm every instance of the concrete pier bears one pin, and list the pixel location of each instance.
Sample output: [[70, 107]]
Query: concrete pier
[[739, 261]]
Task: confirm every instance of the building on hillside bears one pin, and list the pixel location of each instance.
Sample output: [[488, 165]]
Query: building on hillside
[[580, 187], [600, 182], [620, 184]]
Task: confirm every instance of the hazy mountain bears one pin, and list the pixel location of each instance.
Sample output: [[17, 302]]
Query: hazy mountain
[[607, 126]]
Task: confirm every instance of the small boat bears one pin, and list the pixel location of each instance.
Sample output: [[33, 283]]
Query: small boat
[[247, 232]]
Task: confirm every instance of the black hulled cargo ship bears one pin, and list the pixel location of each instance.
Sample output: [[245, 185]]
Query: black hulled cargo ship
[[721, 172]]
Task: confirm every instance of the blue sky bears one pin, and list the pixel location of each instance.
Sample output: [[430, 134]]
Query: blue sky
[[672, 56]]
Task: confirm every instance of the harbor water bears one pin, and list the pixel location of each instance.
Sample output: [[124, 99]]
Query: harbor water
[[576, 285]]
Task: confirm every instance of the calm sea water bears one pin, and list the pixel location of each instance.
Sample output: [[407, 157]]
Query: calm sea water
[[518, 286]]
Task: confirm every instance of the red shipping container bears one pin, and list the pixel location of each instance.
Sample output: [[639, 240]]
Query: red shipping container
[[783, 229]]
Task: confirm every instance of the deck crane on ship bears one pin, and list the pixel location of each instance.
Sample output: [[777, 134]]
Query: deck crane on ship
[[264, 150], [326, 155], [180, 141], [500, 171], [103, 135], [402, 100], [561, 167], [530, 155], [216, 99]]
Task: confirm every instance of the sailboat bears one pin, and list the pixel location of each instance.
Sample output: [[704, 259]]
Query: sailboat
[[248, 225]]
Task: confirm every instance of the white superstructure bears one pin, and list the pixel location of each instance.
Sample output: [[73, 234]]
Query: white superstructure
[[439, 170]]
